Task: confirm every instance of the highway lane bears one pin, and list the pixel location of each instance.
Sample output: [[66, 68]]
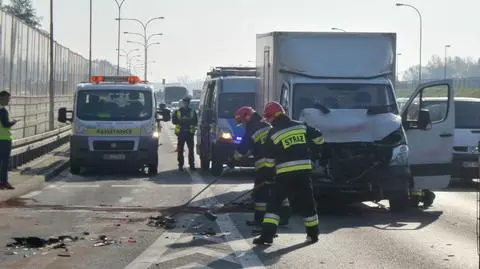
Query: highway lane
[[362, 236]]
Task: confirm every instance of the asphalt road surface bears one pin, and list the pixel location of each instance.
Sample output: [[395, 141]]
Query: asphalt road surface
[[117, 204]]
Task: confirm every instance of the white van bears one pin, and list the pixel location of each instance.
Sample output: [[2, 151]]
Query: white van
[[114, 122], [466, 135]]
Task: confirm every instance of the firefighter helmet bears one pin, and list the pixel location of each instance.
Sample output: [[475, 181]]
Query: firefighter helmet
[[244, 114], [272, 111]]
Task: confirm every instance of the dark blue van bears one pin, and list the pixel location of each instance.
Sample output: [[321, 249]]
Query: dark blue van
[[225, 90]]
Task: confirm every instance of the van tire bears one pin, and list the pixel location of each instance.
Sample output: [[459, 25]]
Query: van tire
[[74, 168], [400, 202], [152, 169], [217, 168]]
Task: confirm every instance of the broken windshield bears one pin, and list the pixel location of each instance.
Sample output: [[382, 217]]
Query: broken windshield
[[343, 96]]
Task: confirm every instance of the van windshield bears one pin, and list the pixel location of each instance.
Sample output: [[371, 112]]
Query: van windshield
[[344, 96], [114, 105], [228, 103]]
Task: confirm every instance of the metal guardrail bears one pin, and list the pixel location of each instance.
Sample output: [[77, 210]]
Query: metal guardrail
[[27, 149]]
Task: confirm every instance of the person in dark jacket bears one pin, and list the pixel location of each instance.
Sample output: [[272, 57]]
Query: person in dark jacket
[[185, 121], [253, 144], [5, 140], [289, 146]]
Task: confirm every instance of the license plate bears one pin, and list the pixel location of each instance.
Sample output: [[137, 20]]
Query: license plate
[[470, 164], [114, 157]]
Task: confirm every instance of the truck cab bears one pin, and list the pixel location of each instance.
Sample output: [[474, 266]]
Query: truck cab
[[114, 122], [225, 90]]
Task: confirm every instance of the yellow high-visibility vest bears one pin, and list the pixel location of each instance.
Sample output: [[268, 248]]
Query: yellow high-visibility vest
[[5, 133]]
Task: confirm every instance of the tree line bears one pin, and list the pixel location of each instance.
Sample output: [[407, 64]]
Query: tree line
[[457, 67], [23, 9]]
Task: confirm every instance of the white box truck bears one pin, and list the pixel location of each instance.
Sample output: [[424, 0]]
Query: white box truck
[[343, 84]]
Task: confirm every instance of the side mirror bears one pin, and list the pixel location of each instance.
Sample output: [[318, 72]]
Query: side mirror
[[424, 121], [62, 115]]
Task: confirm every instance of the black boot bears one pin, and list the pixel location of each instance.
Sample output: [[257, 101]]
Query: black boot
[[268, 232], [312, 235], [428, 198]]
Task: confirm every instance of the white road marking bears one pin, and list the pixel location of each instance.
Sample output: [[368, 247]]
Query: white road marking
[[189, 251], [243, 251], [31, 194], [130, 186], [79, 186], [125, 200], [194, 266]]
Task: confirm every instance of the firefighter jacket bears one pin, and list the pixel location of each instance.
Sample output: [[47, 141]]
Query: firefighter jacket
[[253, 142], [185, 120], [289, 145]]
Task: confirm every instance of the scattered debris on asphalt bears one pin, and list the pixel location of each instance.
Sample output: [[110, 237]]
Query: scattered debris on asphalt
[[161, 222], [37, 242], [104, 240]]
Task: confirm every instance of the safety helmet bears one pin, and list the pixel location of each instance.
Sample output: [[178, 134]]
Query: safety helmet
[[244, 114], [272, 111]]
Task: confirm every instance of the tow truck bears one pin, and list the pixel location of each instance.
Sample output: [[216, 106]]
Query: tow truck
[[114, 123]]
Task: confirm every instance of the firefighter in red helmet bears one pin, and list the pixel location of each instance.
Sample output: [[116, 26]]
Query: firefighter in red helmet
[[252, 144], [288, 147]]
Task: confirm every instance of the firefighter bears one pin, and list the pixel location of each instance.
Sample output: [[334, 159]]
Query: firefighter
[[288, 147], [185, 120], [252, 144]]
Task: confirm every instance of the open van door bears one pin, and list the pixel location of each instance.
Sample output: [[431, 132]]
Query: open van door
[[430, 130]]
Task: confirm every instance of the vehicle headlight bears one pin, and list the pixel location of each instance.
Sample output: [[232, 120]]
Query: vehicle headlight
[[226, 135], [399, 155]]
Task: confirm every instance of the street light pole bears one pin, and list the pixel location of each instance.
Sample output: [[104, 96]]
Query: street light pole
[[51, 92], [119, 4], [445, 64], [338, 29], [421, 30], [145, 38], [396, 67], [90, 45]]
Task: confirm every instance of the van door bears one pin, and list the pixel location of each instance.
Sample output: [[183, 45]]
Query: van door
[[203, 134], [430, 143]]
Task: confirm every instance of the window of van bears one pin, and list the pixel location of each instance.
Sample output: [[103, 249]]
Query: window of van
[[467, 115], [228, 103]]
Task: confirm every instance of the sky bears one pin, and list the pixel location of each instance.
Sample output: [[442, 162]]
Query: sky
[[200, 34]]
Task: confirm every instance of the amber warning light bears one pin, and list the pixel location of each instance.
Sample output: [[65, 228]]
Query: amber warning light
[[129, 79]]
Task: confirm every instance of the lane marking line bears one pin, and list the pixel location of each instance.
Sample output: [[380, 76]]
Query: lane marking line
[[125, 200], [241, 248], [31, 194], [202, 250]]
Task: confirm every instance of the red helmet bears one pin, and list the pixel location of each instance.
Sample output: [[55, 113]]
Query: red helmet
[[244, 114], [272, 111]]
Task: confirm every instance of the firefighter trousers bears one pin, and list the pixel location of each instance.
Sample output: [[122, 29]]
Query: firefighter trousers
[[262, 194], [185, 138], [298, 185]]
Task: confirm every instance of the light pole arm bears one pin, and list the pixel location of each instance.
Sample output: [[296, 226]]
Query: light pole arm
[[152, 35], [156, 43]]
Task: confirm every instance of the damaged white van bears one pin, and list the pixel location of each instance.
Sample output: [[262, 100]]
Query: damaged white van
[[342, 84]]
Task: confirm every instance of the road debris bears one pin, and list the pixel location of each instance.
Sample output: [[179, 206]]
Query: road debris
[[161, 222], [37, 242], [103, 240]]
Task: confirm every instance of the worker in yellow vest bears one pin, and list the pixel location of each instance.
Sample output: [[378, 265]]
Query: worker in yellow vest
[[185, 121], [5, 140]]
